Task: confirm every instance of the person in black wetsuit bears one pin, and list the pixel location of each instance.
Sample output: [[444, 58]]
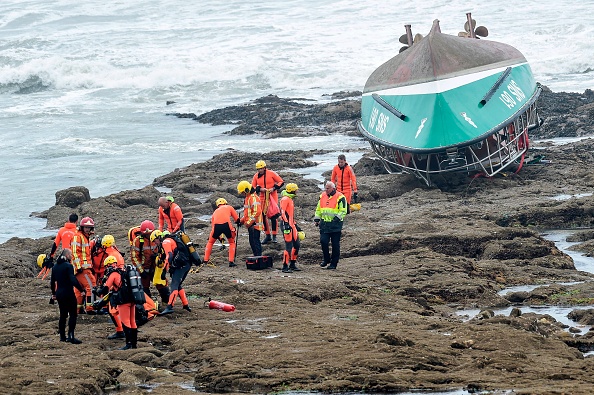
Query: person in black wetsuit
[[62, 284]]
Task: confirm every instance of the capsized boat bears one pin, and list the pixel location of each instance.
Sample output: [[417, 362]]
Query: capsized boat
[[449, 104]]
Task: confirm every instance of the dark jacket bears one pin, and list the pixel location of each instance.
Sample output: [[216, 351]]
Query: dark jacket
[[63, 280]]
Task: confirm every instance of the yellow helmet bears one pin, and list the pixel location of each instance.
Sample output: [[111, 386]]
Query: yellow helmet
[[156, 233], [291, 188], [220, 201], [244, 187], [110, 260], [301, 235], [40, 259], [260, 164], [107, 241]]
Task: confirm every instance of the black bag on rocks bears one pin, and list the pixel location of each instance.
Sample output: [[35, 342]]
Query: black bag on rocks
[[258, 262]]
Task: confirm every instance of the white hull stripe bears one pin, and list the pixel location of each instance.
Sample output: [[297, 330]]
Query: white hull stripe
[[441, 86]]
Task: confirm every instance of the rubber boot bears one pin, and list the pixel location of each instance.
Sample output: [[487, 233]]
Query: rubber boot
[[266, 240], [187, 307], [72, 339], [232, 264], [286, 268], [164, 293], [168, 310], [62, 337], [117, 335], [134, 338], [128, 334], [294, 267], [274, 239]]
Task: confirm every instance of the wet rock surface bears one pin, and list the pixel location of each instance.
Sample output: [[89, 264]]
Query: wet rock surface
[[385, 321]]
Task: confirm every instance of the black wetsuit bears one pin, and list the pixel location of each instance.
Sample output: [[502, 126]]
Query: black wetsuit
[[62, 285]]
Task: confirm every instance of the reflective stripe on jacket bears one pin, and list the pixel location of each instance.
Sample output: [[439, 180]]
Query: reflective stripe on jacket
[[144, 259], [81, 251], [331, 211], [252, 211]]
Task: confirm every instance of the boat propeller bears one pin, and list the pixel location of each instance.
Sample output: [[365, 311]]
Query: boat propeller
[[408, 39], [473, 32]]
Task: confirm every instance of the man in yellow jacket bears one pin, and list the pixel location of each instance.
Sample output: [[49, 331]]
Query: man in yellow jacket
[[330, 213]]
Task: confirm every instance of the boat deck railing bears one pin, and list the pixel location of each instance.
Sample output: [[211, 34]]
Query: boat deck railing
[[488, 157]]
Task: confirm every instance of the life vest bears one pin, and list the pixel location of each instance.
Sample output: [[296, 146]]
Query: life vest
[[330, 207], [252, 211]]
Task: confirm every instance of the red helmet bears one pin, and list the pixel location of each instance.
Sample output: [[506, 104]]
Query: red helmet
[[87, 221], [147, 226]]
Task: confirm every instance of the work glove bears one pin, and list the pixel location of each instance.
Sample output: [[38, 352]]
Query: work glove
[[48, 262], [355, 197], [238, 222], [298, 228], [198, 262], [164, 275]]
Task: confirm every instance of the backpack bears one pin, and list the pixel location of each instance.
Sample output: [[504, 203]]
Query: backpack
[[131, 290], [182, 254]]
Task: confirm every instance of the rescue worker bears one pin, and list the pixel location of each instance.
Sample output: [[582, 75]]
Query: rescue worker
[[65, 234], [252, 215], [108, 248], [170, 214], [330, 213], [344, 178], [143, 255], [175, 258], [126, 308], [82, 262], [267, 183], [290, 228], [62, 284], [222, 225]]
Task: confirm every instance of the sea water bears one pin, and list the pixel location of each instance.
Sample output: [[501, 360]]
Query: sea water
[[84, 85]]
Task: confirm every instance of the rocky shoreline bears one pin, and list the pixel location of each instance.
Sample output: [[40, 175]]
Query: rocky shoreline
[[384, 322]]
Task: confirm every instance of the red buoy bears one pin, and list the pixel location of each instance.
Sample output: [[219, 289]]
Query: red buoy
[[213, 304]]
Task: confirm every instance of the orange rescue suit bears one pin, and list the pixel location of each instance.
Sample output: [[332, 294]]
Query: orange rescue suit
[[83, 264], [173, 217], [64, 236], [345, 180], [221, 224], [127, 311]]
